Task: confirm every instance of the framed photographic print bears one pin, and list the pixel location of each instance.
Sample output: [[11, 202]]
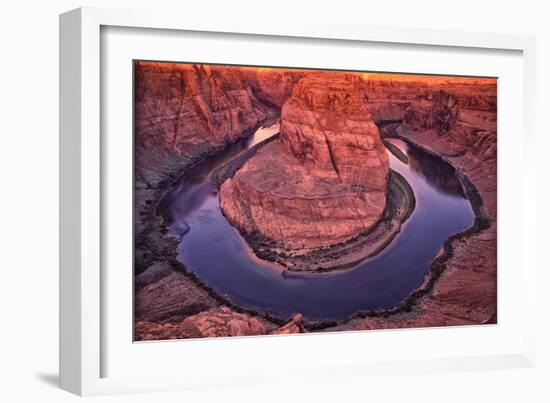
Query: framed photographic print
[[238, 197]]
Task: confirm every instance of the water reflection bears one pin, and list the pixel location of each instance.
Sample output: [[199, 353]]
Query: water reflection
[[440, 174], [192, 189]]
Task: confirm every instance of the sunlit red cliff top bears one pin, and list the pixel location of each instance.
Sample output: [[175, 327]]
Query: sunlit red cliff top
[[375, 76]]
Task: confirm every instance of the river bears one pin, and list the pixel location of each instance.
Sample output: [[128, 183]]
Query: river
[[214, 250]]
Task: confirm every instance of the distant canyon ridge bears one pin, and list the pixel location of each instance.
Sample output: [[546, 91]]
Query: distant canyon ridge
[[322, 182]]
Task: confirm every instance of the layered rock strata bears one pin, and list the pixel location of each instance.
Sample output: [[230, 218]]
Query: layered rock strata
[[324, 182], [218, 322], [184, 110]]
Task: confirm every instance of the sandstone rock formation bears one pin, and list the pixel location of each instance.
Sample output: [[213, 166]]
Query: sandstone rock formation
[[184, 110], [324, 182], [273, 86], [224, 322], [328, 128], [170, 297], [437, 111], [296, 325], [220, 322], [216, 322]]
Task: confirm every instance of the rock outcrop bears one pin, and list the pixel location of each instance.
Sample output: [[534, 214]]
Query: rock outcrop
[[438, 112], [216, 322], [296, 325], [165, 295], [328, 128], [324, 182], [273, 86], [184, 111], [220, 322]]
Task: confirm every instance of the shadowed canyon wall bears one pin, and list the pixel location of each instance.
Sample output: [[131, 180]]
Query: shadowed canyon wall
[[185, 111]]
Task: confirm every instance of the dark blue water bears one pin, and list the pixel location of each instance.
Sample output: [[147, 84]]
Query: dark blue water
[[218, 255]]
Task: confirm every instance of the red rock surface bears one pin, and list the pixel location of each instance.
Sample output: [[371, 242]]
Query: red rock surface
[[220, 322], [184, 110], [169, 298], [327, 127], [296, 325], [325, 181], [273, 86], [217, 322]]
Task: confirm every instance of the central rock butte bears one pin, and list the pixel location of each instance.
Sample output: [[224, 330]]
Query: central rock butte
[[323, 182]]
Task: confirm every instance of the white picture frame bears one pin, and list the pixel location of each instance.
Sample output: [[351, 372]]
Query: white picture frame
[[83, 297]]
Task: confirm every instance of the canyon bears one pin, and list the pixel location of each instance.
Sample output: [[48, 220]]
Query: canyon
[[329, 153]]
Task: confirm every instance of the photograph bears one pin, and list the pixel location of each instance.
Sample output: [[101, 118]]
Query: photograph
[[309, 202], [276, 200]]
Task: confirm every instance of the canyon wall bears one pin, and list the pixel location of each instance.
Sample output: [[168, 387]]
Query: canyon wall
[[324, 181], [328, 128], [185, 111]]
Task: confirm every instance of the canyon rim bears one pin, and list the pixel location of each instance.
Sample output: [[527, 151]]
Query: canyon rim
[[277, 201]]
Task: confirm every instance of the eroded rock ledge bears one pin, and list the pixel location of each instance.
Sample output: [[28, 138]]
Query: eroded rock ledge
[[324, 182], [219, 322]]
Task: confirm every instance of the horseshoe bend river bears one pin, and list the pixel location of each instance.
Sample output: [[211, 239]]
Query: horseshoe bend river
[[215, 252]]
